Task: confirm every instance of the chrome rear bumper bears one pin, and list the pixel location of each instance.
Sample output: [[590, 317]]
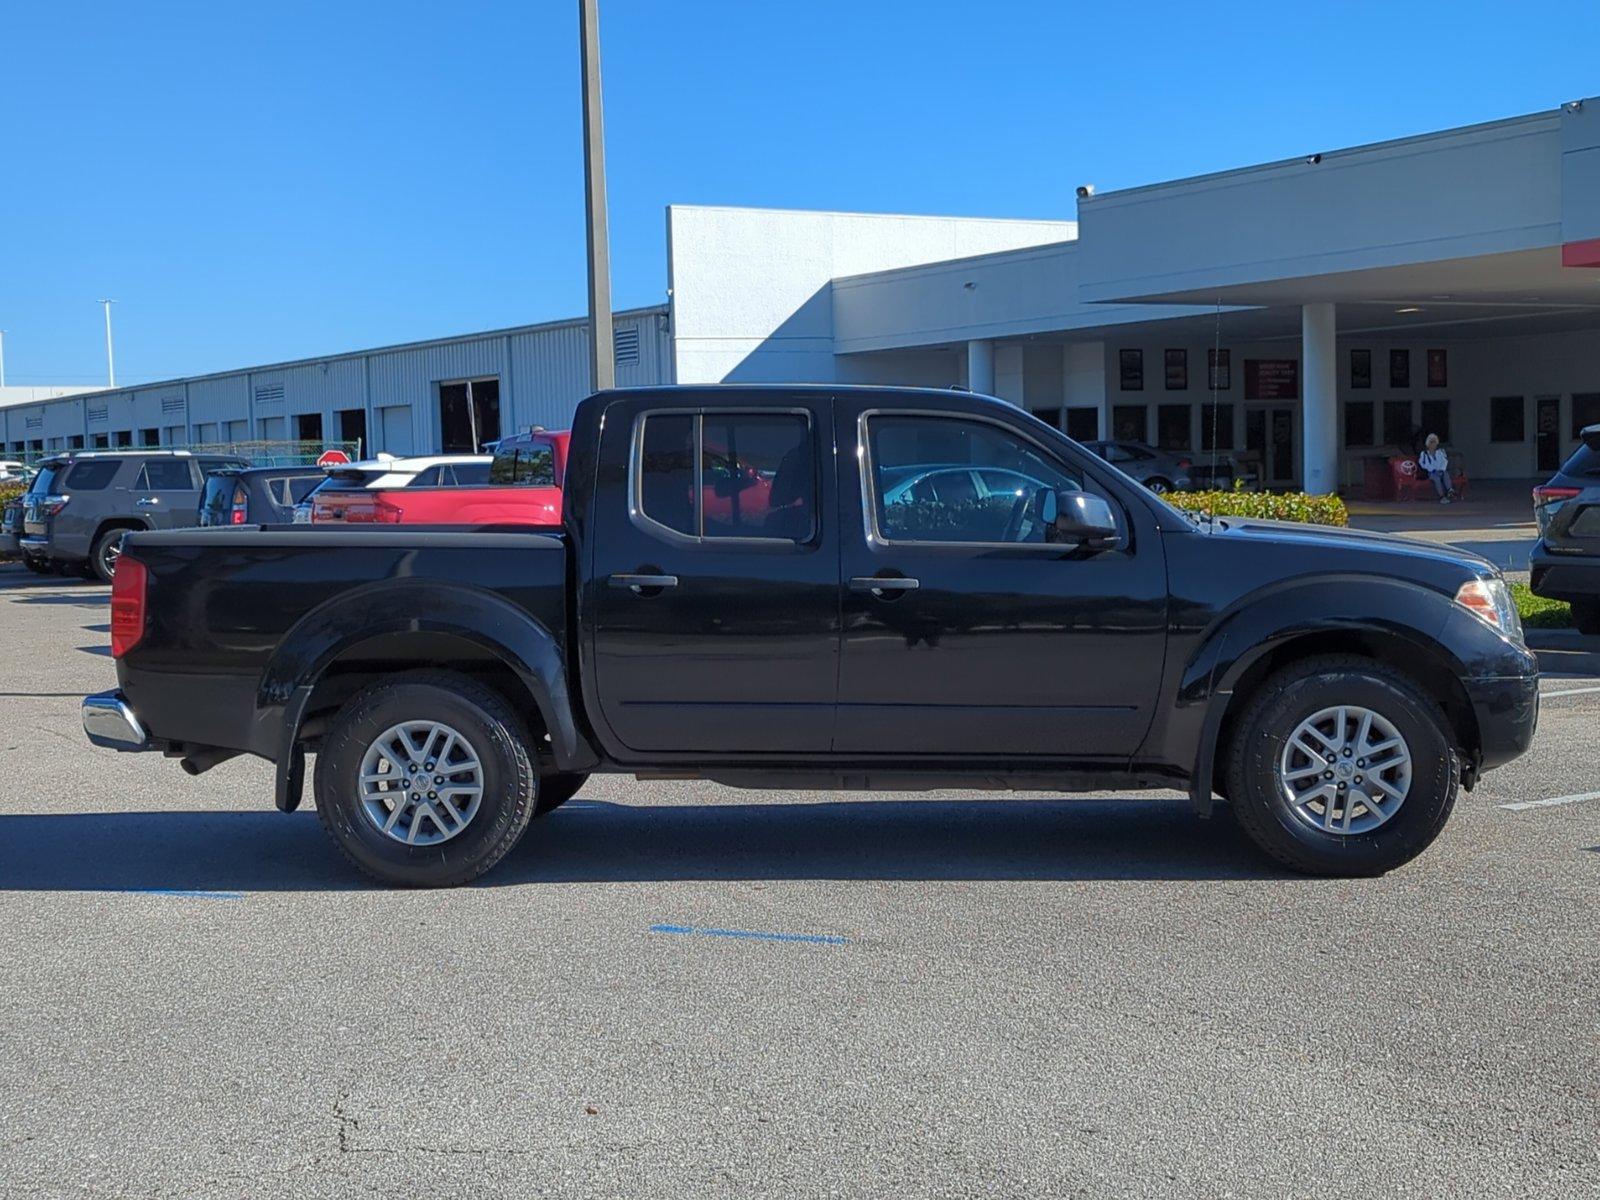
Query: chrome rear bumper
[[109, 722]]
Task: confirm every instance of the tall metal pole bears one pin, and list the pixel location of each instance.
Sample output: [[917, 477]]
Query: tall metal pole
[[602, 361], [111, 362], [2, 358]]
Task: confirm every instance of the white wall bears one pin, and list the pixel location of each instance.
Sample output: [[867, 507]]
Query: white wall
[[751, 288], [1480, 190]]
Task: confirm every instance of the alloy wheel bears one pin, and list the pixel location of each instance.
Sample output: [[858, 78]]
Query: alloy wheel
[[421, 783], [1345, 770]]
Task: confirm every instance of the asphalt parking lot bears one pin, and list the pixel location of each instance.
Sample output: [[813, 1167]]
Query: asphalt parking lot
[[940, 994]]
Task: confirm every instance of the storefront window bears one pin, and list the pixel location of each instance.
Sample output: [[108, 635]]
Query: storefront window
[[1505, 419], [1397, 427], [1358, 423], [1172, 426], [1216, 427], [1436, 419]]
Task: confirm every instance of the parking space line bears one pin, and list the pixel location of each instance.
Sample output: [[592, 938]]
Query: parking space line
[[1579, 798], [188, 893], [1568, 692], [825, 939]]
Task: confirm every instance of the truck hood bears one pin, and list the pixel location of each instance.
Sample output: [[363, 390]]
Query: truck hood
[[1343, 546]]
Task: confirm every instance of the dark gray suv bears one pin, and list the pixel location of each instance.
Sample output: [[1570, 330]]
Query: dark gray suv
[[82, 505]]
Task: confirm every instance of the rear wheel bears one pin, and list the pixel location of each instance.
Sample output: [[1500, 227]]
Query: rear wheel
[[1586, 616], [556, 790], [425, 779], [107, 550], [1158, 485], [1342, 766]]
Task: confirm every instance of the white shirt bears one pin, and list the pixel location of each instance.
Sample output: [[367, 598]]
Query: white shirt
[[1433, 460]]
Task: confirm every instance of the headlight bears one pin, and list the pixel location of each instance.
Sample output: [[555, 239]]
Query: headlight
[[1490, 600]]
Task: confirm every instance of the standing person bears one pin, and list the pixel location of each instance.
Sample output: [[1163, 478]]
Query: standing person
[[1436, 464]]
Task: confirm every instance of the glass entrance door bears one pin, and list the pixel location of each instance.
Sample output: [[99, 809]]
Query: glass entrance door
[[1269, 441]]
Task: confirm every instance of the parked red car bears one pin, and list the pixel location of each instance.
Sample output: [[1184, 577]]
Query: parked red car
[[523, 488]]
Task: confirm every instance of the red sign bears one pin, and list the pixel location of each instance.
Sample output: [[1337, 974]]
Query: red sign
[[1271, 379], [332, 458]]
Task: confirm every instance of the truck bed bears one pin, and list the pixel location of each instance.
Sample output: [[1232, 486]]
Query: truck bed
[[236, 617]]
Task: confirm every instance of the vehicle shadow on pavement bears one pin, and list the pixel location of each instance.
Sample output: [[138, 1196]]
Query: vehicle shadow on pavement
[[594, 841]]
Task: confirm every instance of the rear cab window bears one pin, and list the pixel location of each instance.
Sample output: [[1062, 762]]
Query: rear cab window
[[530, 463], [726, 474]]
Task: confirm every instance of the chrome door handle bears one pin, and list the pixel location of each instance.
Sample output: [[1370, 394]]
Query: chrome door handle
[[879, 584], [147, 503], [640, 583]]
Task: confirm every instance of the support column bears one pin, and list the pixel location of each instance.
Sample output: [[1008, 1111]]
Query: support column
[[980, 367], [1008, 374], [1083, 381], [1319, 417]]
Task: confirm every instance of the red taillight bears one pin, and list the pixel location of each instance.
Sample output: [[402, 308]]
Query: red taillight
[[1550, 495], [241, 506], [127, 605], [1184, 463], [238, 516]]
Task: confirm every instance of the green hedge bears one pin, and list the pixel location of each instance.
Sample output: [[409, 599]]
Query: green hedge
[[10, 491], [1274, 506]]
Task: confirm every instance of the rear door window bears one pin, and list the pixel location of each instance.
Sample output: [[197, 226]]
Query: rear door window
[[722, 474], [92, 474], [428, 478], [471, 474]]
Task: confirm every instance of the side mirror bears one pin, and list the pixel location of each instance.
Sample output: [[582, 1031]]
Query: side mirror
[[1080, 517]]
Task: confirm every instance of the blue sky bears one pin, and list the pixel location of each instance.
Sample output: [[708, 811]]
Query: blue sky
[[261, 182]]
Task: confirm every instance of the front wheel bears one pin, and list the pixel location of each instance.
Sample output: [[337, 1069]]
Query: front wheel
[[1342, 766], [425, 779], [1158, 485]]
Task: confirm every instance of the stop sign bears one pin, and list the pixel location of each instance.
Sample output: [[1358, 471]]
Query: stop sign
[[332, 458]]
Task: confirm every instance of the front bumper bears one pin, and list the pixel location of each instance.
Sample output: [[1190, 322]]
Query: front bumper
[[109, 722], [1507, 711]]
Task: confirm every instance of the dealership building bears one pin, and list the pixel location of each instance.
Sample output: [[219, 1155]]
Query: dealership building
[[1299, 317]]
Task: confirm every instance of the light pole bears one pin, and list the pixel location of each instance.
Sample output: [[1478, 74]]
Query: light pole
[[111, 362], [602, 362], [2, 358]]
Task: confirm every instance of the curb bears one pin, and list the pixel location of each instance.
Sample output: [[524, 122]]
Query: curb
[[1565, 651]]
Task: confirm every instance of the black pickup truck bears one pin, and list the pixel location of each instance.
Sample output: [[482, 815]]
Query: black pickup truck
[[835, 588]]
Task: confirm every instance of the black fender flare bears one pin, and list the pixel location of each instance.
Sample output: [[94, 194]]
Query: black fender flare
[[509, 633], [1399, 611]]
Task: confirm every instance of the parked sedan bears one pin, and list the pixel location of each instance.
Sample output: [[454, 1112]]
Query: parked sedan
[[1566, 559], [259, 496], [1156, 469]]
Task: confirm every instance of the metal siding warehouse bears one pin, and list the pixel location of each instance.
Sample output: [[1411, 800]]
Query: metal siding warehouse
[[540, 372]]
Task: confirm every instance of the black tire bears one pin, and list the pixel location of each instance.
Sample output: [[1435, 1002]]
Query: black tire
[[1158, 485], [555, 790], [1586, 616], [107, 547], [495, 734], [1271, 716]]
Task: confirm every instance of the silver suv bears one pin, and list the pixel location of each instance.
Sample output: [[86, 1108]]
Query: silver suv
[[81, 505]]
